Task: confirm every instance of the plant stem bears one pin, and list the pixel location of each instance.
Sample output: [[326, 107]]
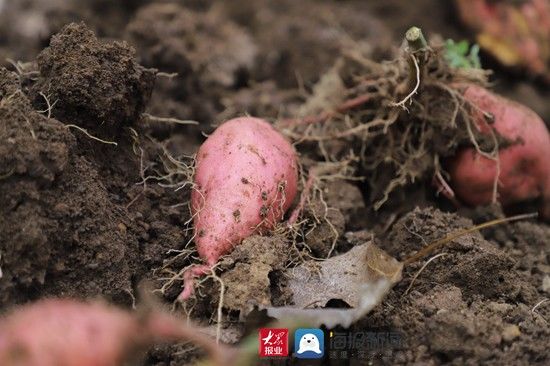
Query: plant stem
[[415, 39], [417, 46], [454, 235]]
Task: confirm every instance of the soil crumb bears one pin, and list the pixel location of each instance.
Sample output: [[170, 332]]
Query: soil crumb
[[95, 84]]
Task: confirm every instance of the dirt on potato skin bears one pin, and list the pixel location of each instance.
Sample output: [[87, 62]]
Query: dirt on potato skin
[[73, 221]]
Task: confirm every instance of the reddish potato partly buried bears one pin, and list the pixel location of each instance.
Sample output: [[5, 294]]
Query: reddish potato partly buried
[[72, 333], [524, 165], [246, 178]]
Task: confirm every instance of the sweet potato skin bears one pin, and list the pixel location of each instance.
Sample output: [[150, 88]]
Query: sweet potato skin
[[66, 332], [246, 178], [525, 165], [69, 332]]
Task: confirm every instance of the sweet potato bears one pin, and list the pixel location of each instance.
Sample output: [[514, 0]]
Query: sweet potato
[[67, 332], [524, 164], [246, 178], [516, 33]]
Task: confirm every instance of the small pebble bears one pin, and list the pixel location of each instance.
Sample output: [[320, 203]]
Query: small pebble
[[510, 332]]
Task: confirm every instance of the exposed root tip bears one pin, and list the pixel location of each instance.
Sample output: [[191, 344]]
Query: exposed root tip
[[189, 280]]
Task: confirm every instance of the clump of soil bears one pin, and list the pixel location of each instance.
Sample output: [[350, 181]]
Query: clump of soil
[[259, 260], [74, 222], [473, 302], [38, 150], [473, 264], [52, 240], [94, 84]]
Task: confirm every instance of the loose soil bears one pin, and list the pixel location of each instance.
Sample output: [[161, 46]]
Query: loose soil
[[85, 218]]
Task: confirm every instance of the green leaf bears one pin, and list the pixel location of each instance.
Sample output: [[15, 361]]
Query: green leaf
[[474, 56], [461, 55], [462, 48]]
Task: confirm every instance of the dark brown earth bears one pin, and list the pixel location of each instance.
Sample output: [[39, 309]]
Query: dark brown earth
[[86, 219]]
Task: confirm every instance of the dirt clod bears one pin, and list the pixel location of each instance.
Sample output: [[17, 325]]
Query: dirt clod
[[95, 84], [65, 250], [259, 260]]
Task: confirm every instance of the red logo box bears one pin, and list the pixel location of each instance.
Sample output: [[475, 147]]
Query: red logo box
[[273, 342]]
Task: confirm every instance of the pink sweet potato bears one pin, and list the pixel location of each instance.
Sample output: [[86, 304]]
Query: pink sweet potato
[[524, 165], [245, 180], [516, 33], [68, 332]]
